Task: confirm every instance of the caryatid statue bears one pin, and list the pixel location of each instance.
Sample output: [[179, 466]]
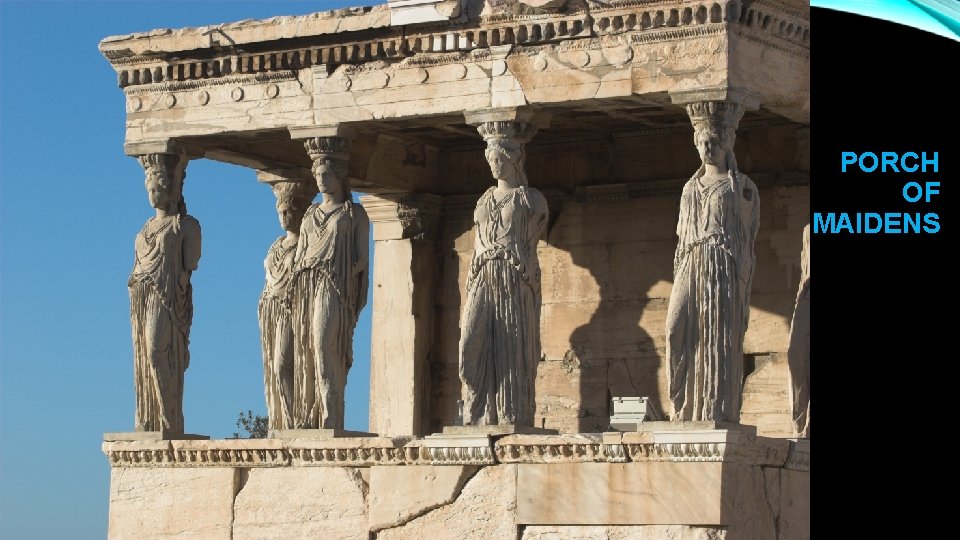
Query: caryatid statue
[[329, 289], [276, 331], [713, 269], [500, 340], [167, 251]]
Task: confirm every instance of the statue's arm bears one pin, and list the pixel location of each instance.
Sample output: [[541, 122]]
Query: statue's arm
[[302, 243], [541, 213], [682, 217], [750, 223], [362, 257], [361, 239], [190, 228]]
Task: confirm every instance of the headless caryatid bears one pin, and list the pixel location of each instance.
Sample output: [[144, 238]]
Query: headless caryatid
[[713, 269], [161, 305], [329, 289], [500, 343], [276, 330], [798, 352]]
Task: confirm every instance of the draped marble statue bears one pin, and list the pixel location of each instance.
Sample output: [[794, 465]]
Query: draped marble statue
[[329, 289], [798, 351], [500, 326], [167, 251], [713, 269], [276, 331]]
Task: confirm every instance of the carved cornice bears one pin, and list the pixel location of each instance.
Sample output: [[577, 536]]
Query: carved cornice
[[552, 449], [679, 452], [657, 446], [678, 34], [435, 44], [179, 86], [456, 455], [351, 457]]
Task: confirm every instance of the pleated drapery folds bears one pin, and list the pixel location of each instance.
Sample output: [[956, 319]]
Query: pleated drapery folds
[[709, 306], [161, 312], [328, 292], [500, 340]]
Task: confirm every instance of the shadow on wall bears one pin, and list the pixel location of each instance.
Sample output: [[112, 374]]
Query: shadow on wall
[[607, 272], [606, 279]]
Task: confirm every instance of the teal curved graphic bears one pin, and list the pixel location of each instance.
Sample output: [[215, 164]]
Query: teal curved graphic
[[945, 11], [941, 17]]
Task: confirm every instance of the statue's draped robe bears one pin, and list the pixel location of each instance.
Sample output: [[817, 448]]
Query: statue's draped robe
[[709, 306], [798, 351], [329, 290], [276, 334], [500, 343], [161, 311]]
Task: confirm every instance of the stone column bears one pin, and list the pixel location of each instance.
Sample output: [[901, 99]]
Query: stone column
[[330, 283], [500, 321], [713, 271], [403, 293], [294, 190], [166, 252]]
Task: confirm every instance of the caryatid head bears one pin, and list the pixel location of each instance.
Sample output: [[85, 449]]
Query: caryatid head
[[715, 131], [330, 157], [293, 199], [164, 181], [505, 151]]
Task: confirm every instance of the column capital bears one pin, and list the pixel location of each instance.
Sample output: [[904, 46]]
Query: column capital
[[715, 116], [327, 147], [295, 185], [397, 216], [747, 99], [505, 115]]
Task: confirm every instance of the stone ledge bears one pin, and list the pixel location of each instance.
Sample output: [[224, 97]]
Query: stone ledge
[[117, 436], [289, 434], [497, 430], [727, 446]]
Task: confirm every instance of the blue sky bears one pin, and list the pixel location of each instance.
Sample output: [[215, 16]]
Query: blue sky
[[70, 207]]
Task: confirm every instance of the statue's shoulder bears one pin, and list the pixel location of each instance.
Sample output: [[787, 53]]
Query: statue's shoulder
[[748, 187], [534, 197], [486, 195], [747, 181], [356, 210], [188, 224]]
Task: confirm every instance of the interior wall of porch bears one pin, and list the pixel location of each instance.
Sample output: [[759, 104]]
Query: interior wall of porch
[[607, 267]]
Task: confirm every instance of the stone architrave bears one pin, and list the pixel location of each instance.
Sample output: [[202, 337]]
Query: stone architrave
[[294, 195], [713, 269], [798, 352], [329, 289], [500, 325], [167, 251]]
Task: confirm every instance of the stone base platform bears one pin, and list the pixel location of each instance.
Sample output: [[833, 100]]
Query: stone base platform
[[658, 425], [505, 429], [152, 436], [681, 485], [316, 434]]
